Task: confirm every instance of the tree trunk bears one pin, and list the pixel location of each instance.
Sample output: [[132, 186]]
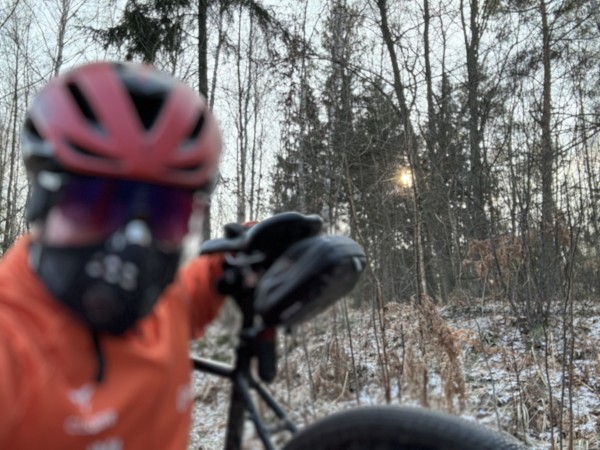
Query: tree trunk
[[477, 185], [411, 147], [202, 15]]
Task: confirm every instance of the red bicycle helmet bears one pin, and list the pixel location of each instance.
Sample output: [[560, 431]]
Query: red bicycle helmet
[[120, 120]]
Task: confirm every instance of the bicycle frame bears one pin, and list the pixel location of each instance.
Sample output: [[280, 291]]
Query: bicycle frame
[[243, 382], [329, 266]]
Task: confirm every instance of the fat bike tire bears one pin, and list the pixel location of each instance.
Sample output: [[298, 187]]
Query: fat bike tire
[[398, 428]]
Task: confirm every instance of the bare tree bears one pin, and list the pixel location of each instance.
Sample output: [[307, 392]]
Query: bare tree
[[11, 11], [410, 145], [472, 33], [252, 80]]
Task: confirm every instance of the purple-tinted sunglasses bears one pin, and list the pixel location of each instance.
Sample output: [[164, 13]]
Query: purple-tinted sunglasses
[[108, 204]]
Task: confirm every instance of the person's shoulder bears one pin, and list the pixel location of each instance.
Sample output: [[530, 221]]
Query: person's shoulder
[[16, 253], [24, 301], [15, 271]]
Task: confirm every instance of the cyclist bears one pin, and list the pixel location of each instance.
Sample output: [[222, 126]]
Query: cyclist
[[97, 305]]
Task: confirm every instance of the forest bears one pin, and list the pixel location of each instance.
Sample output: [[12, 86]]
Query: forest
[[455, 140]]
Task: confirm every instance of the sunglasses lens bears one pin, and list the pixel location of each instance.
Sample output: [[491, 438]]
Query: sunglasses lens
[[171, 213], [107, 204]]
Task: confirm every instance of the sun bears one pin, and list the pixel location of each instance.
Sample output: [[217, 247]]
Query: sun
[[403, 177]]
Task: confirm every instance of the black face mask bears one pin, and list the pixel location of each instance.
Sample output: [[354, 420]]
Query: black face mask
[[110, 286]]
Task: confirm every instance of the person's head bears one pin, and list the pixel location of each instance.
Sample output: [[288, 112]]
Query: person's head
[[120, 157]]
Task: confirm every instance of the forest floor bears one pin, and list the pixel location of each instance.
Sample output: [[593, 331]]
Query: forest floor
[[471, 360]]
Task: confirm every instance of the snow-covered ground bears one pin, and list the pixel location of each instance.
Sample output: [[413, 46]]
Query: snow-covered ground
[[472, 361]]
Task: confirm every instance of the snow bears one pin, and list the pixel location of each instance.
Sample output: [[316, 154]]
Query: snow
[[507, 374]]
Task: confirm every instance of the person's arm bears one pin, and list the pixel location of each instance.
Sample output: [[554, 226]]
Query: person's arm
[[197, 282], [13, 378]]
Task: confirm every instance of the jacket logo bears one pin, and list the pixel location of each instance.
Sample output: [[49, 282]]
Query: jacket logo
[[82, 397], [90, 424], [87, 422], [110, 444]]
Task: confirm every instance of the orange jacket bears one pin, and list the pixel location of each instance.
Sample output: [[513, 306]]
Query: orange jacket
[[48, 395]]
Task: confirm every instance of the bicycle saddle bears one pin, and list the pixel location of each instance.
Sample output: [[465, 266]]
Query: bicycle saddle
[[270, 237]]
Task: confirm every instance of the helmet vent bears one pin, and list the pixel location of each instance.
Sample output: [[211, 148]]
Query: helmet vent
[[84, 151], [190, 168], [32, 129], [197, 128], [82, 103], [148, 107]]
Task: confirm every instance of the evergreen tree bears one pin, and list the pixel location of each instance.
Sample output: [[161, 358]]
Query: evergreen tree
[[299, 178], [148, 28], [383, 205], [341, 43]]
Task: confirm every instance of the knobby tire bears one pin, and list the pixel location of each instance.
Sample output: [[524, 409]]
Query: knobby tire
[[399, 428]]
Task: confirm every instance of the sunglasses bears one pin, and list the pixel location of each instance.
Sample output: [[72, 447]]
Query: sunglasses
[[106, 205]]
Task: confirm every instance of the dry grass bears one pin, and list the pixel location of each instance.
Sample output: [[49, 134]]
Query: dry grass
[[474, 362]]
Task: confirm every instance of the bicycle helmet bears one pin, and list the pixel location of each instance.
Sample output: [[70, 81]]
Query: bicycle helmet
[[119, 120]]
